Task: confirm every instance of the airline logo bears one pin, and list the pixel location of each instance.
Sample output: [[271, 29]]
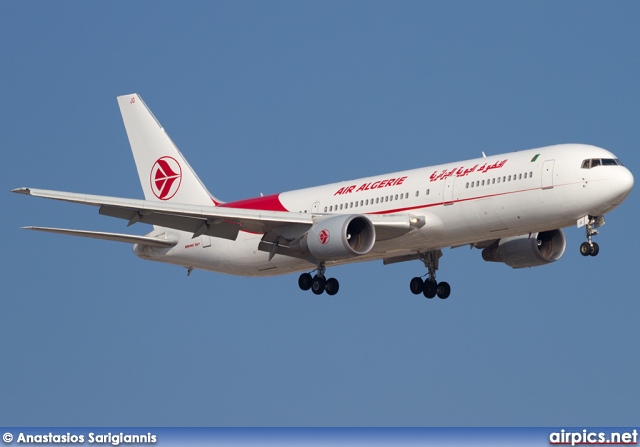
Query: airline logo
[[462, 171], [324, 237], [371, 185], [166, 176]]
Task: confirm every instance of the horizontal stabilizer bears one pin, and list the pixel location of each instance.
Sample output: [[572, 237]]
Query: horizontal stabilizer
[[131, 239]]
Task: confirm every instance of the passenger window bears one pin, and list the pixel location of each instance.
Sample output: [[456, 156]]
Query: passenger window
[[341, 206], [520, 177], [428, 190], [467, 185], [325, 209], [396, 196]]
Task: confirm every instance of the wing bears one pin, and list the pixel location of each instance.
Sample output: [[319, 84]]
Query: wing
[[222, 222], [128, 238]]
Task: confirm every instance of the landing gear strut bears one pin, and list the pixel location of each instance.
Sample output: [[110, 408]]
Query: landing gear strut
[[591, 248], [430, 287], [318, 283]]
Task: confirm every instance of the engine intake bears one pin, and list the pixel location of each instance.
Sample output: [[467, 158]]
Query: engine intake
[[339, 237], [527, 250]]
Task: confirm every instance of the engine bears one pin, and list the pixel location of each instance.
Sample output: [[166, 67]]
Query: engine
[[339, 237], [527, 250]]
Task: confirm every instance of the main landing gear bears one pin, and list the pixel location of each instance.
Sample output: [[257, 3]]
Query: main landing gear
[[430, 287], [591, 248], [318, 283]]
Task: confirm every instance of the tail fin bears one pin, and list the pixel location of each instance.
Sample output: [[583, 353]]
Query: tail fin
[[164, 172]]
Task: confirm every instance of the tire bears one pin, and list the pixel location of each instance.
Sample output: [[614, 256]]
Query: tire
[[430, 289], [443, 290], [595, 249], [304, 282], [331, 287], [317, 285], [416, 285], [585, 249]]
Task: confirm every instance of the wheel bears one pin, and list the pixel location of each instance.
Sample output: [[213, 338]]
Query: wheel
[[317, 285], [304, 282], [331, 286], [416, 285], [595, 249], [443, 290], [430, 288], [585, 249]]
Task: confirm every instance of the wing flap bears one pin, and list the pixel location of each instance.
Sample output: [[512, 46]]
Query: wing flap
[[128, 238], [197, 226]]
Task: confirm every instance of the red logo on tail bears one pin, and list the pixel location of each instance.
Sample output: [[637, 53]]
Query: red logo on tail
[[166, 176]]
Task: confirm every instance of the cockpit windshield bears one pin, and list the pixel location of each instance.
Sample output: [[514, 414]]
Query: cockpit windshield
[[593, 162]]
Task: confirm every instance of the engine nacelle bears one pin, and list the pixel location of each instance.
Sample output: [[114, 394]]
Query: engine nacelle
[[527, 250], [339, 237]]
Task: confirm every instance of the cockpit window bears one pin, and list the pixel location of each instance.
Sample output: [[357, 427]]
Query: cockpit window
[[593, 162]]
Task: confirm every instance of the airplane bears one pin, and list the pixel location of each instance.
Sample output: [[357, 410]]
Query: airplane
[[511, 206]]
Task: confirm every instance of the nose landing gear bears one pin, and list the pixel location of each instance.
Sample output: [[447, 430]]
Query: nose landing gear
[[591, 248]]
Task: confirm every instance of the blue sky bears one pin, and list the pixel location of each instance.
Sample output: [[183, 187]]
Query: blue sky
[[263, 97]]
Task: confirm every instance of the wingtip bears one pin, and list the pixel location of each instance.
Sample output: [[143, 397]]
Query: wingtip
[[26, 191]]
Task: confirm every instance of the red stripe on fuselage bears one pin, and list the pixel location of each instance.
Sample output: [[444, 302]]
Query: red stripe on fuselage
[[266, 203]]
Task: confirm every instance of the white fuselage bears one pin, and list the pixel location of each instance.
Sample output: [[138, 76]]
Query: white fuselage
[[462, 203]]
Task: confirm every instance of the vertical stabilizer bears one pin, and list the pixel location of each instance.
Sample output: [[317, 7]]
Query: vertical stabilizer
[[164, 173]]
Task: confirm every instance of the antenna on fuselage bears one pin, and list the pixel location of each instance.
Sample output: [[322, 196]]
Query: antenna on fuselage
[[483, 155]]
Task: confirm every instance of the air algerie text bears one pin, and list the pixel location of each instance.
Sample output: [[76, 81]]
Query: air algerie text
[[370, 185]]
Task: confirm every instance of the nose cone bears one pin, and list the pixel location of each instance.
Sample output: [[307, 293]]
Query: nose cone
[[621, 185]]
